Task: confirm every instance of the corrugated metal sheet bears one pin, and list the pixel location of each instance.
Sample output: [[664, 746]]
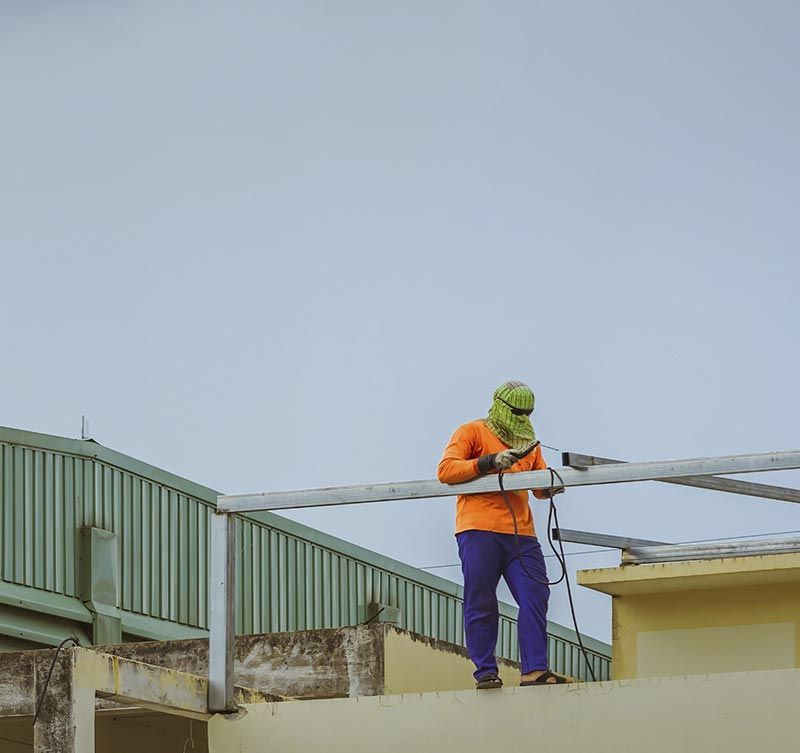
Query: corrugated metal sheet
[[47, 496], [288, 577]]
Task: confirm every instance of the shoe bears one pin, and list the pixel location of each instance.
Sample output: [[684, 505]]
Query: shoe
[[545, 679], [488, 682]]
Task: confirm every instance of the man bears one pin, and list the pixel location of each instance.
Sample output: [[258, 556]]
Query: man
[[485, 531]]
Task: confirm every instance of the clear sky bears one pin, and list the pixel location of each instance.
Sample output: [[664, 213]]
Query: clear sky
[[284, 245]]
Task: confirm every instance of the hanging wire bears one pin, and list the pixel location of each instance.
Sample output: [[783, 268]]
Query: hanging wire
[[69, 639]]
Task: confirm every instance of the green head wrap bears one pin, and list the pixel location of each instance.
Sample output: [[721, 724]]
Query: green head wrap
[[515, 430]]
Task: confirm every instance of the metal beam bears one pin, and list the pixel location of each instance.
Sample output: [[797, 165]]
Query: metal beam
[[221, 591], [602, 539], [132, 682], [601, 474], [732, 486], [681, 552]]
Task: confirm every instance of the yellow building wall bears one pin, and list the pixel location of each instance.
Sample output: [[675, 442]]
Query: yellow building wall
[[708, 631], [734, 713], [131, 731], [733, 615], [414, 665]]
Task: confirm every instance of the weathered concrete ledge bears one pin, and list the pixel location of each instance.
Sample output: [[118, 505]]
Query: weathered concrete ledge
[[170, 679], [333, 663]]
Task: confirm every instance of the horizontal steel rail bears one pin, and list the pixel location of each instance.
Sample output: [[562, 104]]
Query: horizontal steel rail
[[682, 552], [601, 474], [602, 539], [730, 485]]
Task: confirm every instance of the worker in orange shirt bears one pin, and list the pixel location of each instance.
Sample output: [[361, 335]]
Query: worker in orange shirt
[[488, 544]]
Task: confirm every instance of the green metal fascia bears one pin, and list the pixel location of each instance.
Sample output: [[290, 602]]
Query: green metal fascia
[[154, 629], [88, 448], [47, 604], [44, 602], [39, 628]]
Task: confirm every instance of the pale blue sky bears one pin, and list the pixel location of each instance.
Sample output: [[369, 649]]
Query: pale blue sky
[[281, 245]]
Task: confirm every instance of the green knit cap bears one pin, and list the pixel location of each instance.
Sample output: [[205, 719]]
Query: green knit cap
[[515, 430]]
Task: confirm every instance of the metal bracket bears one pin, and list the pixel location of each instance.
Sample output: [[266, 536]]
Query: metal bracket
[[715, 483], [602, 539], [706, 551]]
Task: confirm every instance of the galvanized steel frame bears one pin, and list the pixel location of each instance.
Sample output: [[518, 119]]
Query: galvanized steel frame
[[640, 555], [714, 483], [601, 474], [568, 535], [222, 595], [221, 612]]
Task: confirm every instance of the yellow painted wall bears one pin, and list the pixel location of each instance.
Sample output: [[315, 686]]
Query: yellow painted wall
[[130, 732], [751, 640], [735, 713], [733, 615], [416, 666]]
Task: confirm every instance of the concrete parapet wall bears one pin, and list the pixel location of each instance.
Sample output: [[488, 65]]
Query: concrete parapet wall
[[305, 664], [736, 713], [362, 661], [334, 663]]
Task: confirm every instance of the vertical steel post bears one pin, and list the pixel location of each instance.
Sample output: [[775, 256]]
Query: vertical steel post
[[222, 587]]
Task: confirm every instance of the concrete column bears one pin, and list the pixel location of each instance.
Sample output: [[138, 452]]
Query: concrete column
[[66, 718], [363, 646]]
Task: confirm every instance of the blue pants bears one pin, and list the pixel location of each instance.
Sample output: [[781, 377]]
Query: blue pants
[[485, 556]]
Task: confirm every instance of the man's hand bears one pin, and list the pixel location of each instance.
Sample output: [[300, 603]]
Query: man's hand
[[550, 493], [504, 460], [498, 461]]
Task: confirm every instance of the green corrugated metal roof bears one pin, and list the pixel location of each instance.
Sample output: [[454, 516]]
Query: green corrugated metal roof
[[290, 576]]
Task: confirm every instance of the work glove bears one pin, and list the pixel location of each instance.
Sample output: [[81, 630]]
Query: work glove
[[549, 494], [502, 461]]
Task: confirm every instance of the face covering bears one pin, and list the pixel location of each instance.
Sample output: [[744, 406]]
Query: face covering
[[509, 416]]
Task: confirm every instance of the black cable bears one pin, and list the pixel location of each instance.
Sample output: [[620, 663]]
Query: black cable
[[61, 645], [552, 516], [374, 616], [549, 539], [566, 576]]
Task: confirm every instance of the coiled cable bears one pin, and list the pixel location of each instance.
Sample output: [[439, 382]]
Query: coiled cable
[[552, 517]]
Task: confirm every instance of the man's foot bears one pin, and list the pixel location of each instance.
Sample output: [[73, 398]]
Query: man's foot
[[487, 682], [542, 677]]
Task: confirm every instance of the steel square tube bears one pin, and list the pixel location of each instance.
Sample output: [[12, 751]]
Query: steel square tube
[[602, 474]]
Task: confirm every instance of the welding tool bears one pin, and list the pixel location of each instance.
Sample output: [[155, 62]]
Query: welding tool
[[502, 461]]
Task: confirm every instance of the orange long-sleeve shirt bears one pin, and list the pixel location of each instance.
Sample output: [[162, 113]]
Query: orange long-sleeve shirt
[[488, 511]]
